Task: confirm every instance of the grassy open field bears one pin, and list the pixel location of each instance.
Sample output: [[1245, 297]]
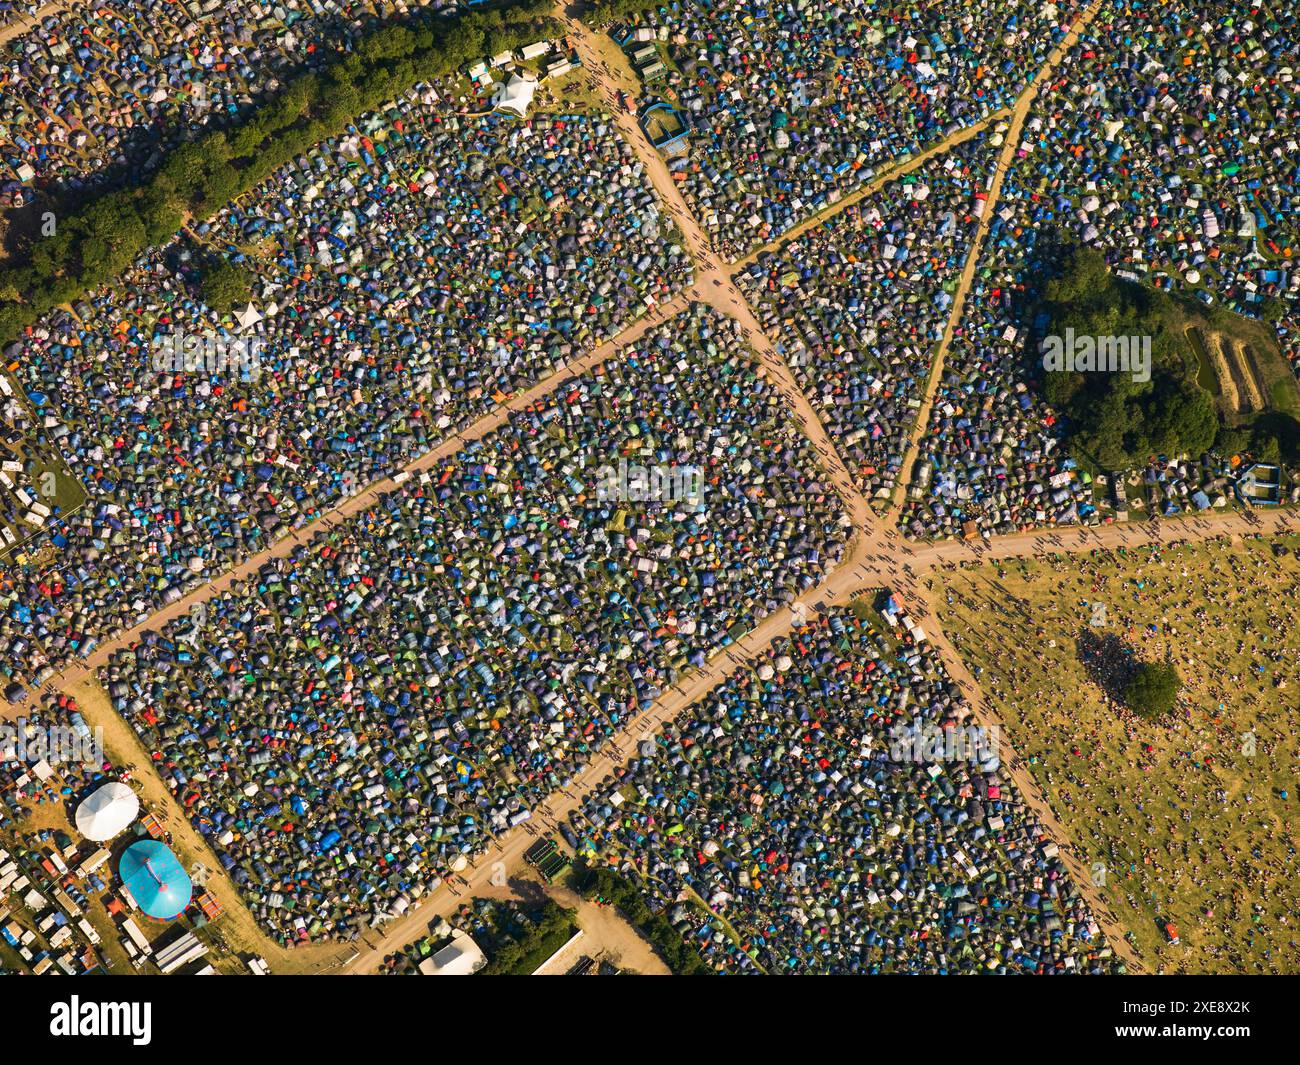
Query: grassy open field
[[1191, 819]]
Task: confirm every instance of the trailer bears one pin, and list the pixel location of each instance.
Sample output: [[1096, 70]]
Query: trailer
[[532, 51], [185, 950], [539, 850], [94, 862], [133, 933]]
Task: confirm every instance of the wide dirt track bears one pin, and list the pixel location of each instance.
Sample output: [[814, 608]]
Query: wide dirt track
[[876, 556]]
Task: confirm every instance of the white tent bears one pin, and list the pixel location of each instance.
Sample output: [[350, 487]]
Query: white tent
[[516, 96], [107, 811], [461, 957], [248, 317]]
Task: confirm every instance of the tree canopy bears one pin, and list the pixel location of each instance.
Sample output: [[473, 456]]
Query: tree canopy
[[226, 285], [1118, 418], [1153, 689]]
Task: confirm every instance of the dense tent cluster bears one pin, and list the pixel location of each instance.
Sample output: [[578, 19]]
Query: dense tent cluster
[[372, 708], [399, 292], [797, 104], [781, 802]]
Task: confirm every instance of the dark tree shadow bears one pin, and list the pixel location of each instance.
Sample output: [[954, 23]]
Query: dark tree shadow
[[530, 893], [1108, 661]]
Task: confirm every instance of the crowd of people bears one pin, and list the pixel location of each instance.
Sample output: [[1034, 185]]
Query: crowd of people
[[1185, 819]]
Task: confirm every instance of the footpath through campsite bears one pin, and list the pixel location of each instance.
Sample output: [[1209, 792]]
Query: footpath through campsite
[[1005, 158], [877, 556]]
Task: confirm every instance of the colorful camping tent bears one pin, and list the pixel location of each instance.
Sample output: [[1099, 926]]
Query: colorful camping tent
[[160, 887]]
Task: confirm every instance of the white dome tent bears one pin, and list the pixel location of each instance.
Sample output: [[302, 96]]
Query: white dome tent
[[107, 811]]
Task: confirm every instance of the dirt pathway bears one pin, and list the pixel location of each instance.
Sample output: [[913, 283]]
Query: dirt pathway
[[713, 285], [237, 926], [1005, 159], [869, 565], [875, 557], [1072, 540], [87, 667], [611, 72], [1035, 799], [507, 851], [888, 174], [24, 23]]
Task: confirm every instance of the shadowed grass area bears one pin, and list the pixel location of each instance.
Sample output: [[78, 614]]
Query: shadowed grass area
[[1182, 818]]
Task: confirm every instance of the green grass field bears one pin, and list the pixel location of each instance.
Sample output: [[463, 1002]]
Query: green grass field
[[1181, 820]]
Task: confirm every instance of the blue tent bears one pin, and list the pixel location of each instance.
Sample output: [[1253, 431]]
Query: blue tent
[[160, 887]]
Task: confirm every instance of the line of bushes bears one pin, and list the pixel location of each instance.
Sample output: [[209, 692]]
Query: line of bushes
[[198, 177], [603, 12], [677, 954], [521, 955]]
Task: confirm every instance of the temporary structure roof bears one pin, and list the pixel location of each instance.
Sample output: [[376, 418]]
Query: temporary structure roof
[[461, 957], [160, 887], [248, 317], [107, 811], [517, 95]]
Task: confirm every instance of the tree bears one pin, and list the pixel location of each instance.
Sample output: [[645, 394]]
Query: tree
[[1086, 278], [1153, 689], [1181, 418], [603, 12], [1272, 310], [1232, 440], [109, 234], [1264, 446], [391, 42], [225, 286], [159, 211], [1275, 437], [184, 169], [1121, 417], [13, 319]]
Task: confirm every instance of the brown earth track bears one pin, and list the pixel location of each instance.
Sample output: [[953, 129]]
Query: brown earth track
[[875, 557]]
